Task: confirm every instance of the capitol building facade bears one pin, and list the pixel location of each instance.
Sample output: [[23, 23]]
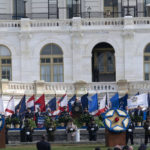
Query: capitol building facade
[[74, 46]]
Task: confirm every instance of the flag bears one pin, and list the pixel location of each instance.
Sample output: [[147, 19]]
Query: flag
[[71, 102], [93, 103], [40, 103], [52, 104], [21, 106], [107, 102], [148, 99], [10, 107], [102, 106], [123, 102], [63, 102], [139, 100], [115, 101], [84, 101], [30, 103], [1, 106]]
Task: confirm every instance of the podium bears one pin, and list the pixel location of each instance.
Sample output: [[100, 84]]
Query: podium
[[2, 138], [112, 139]]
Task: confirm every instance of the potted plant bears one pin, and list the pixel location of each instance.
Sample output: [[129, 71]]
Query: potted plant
[[63, 120], [99, 121], [85, 119], [138, 120], [15, 121], [8, 122]]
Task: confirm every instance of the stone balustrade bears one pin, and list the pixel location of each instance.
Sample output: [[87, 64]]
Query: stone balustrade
[[40, 87], [103, 22], [79, 88], [58, 23], [10, 24], [142, 21]]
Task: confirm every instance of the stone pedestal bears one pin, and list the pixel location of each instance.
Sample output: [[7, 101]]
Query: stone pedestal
[[2, 138], [113, 139]]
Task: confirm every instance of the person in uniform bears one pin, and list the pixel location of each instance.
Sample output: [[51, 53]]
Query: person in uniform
[[129, 133], [92, 129], [51, 130], [28, 131], [71, 131], [147, 129]]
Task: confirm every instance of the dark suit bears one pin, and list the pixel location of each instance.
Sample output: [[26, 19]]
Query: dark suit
[[43, 145], [129, 133]]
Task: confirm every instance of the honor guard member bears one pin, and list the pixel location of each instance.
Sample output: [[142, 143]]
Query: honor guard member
[[50, 130], [92, 129], [28, 131], [129, 133], [71, 131], [147, 129]]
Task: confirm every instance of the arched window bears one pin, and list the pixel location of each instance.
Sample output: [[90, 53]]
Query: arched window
[[5, 63], [52, 63], [147, 62], [103, 63]]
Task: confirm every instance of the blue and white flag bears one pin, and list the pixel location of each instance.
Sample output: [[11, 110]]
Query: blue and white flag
[[139, 100]]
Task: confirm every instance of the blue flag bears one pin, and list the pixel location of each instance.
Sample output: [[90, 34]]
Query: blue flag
[[93, 103], [148, 99], [115, 101], [71, 102], [123, 102], [52, 104], [21, 106], [84, 101]]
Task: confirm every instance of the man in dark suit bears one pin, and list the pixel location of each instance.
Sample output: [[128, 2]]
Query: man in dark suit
[[43, 145]]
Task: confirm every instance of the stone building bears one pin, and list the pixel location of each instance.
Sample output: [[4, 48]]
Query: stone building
[[74, 46]]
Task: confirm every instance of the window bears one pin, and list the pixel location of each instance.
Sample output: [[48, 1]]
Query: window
[[52, 63], [147, 63], [5, 63], [103, 63]]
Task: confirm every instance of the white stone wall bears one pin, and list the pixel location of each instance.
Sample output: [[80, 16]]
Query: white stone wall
[[77, 42]]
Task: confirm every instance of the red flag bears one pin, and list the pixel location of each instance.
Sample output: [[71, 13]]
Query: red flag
[[10, 107], [41, 103]]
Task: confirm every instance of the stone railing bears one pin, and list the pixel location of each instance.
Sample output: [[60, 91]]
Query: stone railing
[[141, 21], [103, 22], [41, 87], [26, 24], [10, 24], [141, 87], [79, 88], [50, 23]]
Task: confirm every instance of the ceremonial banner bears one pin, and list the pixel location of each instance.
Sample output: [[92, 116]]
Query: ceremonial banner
[[139, 100]]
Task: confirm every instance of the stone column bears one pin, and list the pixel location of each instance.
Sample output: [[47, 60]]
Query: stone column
[[122, 87], [62, 9], [129, 50], [76, 48], [25, 53]]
